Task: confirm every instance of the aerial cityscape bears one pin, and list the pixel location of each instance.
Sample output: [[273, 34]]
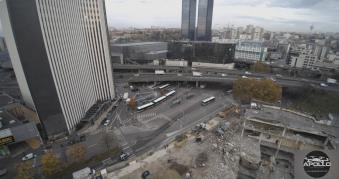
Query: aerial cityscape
[[156, 89]]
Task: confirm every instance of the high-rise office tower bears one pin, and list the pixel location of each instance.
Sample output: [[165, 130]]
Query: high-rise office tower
[[205, 13], [60, 55], [188, 19]]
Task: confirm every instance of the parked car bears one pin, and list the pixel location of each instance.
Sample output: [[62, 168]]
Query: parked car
[[124, 156], [323, 85], [106, 122], [28, 157], [145, 174]]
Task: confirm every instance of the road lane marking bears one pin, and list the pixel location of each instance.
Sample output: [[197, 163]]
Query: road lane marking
[[92, 145]]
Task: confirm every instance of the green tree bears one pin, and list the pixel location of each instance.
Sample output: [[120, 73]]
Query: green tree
[[260, 67], [265, 90], [25, 170], [51, 164], [76, 153]]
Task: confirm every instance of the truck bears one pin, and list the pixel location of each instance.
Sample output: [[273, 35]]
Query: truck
[[196, 73], [159, 72], [331, 81], [125, 96], [178, 63]]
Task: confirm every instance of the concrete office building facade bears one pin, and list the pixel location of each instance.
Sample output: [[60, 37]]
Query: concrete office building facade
[[60, 55], [189, 8], [250, 51], [204, 27]]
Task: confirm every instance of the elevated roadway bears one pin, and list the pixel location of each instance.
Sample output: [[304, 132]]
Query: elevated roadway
[[188, 77]]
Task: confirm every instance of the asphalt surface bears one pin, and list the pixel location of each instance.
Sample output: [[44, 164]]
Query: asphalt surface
[[214, 75], [155, 127]]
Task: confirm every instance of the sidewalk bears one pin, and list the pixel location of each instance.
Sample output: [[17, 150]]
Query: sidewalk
[[134, 165]]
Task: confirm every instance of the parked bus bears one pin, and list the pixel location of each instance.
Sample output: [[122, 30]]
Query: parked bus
[[207, 100], [164, 86], [145, 106], [158, 100], [170, 93]]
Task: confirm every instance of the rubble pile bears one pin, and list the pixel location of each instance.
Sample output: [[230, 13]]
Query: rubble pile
[[201, 159]]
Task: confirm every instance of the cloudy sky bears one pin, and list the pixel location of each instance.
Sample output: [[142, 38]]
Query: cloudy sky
[[277, 15]]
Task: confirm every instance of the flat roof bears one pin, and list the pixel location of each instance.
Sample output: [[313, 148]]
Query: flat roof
[[136, 44]]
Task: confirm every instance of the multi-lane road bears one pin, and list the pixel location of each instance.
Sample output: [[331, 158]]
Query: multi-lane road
[[214, 75]]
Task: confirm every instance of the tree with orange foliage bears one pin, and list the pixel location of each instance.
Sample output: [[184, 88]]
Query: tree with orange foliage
[[132, 103], [265, 90]]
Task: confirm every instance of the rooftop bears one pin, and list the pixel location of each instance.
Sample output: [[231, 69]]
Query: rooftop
[[136, 44]]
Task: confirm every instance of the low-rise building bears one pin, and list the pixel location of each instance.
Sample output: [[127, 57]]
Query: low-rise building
[[18, 127]]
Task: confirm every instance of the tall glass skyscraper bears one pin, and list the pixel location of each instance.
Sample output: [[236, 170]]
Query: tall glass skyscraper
[[60, 55], [188, 19], [205, 13]]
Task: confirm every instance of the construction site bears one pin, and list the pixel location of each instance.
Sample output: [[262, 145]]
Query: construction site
[[256, 141]]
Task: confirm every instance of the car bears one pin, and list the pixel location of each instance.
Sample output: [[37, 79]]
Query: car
[[124, 156], [248, 73], [244, 77], [3, 172], [229, 92], [278, 75], [273, 79], [28, 157], [323, 85], [106, 122], [145, 174], [223, 74]]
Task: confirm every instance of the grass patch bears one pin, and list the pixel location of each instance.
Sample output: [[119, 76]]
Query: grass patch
[[319, 103]]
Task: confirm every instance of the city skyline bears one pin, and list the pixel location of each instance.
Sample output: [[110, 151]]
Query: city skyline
[[274, 15]]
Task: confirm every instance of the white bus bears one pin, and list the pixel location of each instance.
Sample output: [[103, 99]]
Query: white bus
[[170, 93], [207, 100], [158, 100], [145, 106], [164, 86]]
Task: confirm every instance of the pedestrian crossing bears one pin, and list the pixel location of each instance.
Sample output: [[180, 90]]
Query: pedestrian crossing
[[141, 117]]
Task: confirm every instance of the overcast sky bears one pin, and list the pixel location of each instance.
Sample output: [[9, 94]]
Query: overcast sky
[[276, 15]]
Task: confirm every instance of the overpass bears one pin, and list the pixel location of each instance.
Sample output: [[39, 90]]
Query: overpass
[[211, 71], [188, 77]]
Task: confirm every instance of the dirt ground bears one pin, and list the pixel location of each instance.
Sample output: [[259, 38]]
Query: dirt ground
[[215, 157]]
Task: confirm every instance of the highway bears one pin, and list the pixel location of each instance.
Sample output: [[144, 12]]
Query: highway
[[213, 75], [186, 77]]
